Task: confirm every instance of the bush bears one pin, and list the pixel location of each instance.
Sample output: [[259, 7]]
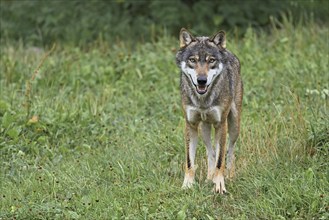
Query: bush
[[79, 22]]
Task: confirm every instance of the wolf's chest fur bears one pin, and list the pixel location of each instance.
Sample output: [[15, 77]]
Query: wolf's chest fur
[[210, 115]]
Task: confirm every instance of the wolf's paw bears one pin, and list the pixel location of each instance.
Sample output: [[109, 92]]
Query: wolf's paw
[[188, 182], [210, 175], [230, 173], [219, 184], [189, 177], [230, 170]]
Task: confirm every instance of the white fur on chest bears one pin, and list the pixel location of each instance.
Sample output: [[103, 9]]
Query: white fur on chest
[[209, 115]]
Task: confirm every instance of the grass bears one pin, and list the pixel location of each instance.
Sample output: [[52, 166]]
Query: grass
[[100, 133]]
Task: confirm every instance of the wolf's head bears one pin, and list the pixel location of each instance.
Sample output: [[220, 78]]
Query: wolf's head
[[200, 58]]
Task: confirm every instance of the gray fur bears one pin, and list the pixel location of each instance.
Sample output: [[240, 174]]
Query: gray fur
[[225, 91]]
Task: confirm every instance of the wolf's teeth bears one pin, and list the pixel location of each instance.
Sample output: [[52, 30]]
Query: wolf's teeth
[[201, 89]]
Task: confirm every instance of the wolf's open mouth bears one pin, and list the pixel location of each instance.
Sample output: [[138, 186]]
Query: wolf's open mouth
[[201, 89]]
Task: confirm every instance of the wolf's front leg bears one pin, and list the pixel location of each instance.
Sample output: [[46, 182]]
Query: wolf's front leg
[[220, 143], [191, 140], [233, 131], [206, 135]]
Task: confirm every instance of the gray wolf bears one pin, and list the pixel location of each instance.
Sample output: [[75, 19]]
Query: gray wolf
[[211, 93]]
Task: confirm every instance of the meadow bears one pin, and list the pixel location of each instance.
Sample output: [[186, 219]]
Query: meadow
[[96, 132]]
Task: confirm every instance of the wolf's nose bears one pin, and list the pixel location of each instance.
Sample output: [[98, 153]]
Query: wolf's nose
[[202, 80]]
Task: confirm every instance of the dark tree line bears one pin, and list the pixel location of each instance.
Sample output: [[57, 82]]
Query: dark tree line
[[42, 22]]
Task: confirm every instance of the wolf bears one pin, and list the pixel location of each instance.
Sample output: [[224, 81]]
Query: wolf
[[211, 94]]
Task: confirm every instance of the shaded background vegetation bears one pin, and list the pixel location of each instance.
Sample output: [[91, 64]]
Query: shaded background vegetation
[[41, 22]]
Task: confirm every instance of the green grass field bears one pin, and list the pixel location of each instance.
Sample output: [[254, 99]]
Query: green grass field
[[98, 133]]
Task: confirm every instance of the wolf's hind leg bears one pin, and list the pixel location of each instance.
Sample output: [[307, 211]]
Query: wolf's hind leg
[[233, 130], [220, 143], [206, 136], [191, 141]]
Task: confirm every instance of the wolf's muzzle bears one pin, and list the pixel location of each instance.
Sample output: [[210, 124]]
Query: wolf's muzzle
[[202, 84]]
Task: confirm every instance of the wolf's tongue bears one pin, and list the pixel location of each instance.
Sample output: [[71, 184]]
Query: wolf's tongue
[[201, 89]]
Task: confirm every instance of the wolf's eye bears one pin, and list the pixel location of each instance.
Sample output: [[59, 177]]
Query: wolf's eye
[[192, 60], [212, 60]]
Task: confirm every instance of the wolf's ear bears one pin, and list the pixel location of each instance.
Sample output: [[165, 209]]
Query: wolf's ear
[[185, 37], [219, 39]]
